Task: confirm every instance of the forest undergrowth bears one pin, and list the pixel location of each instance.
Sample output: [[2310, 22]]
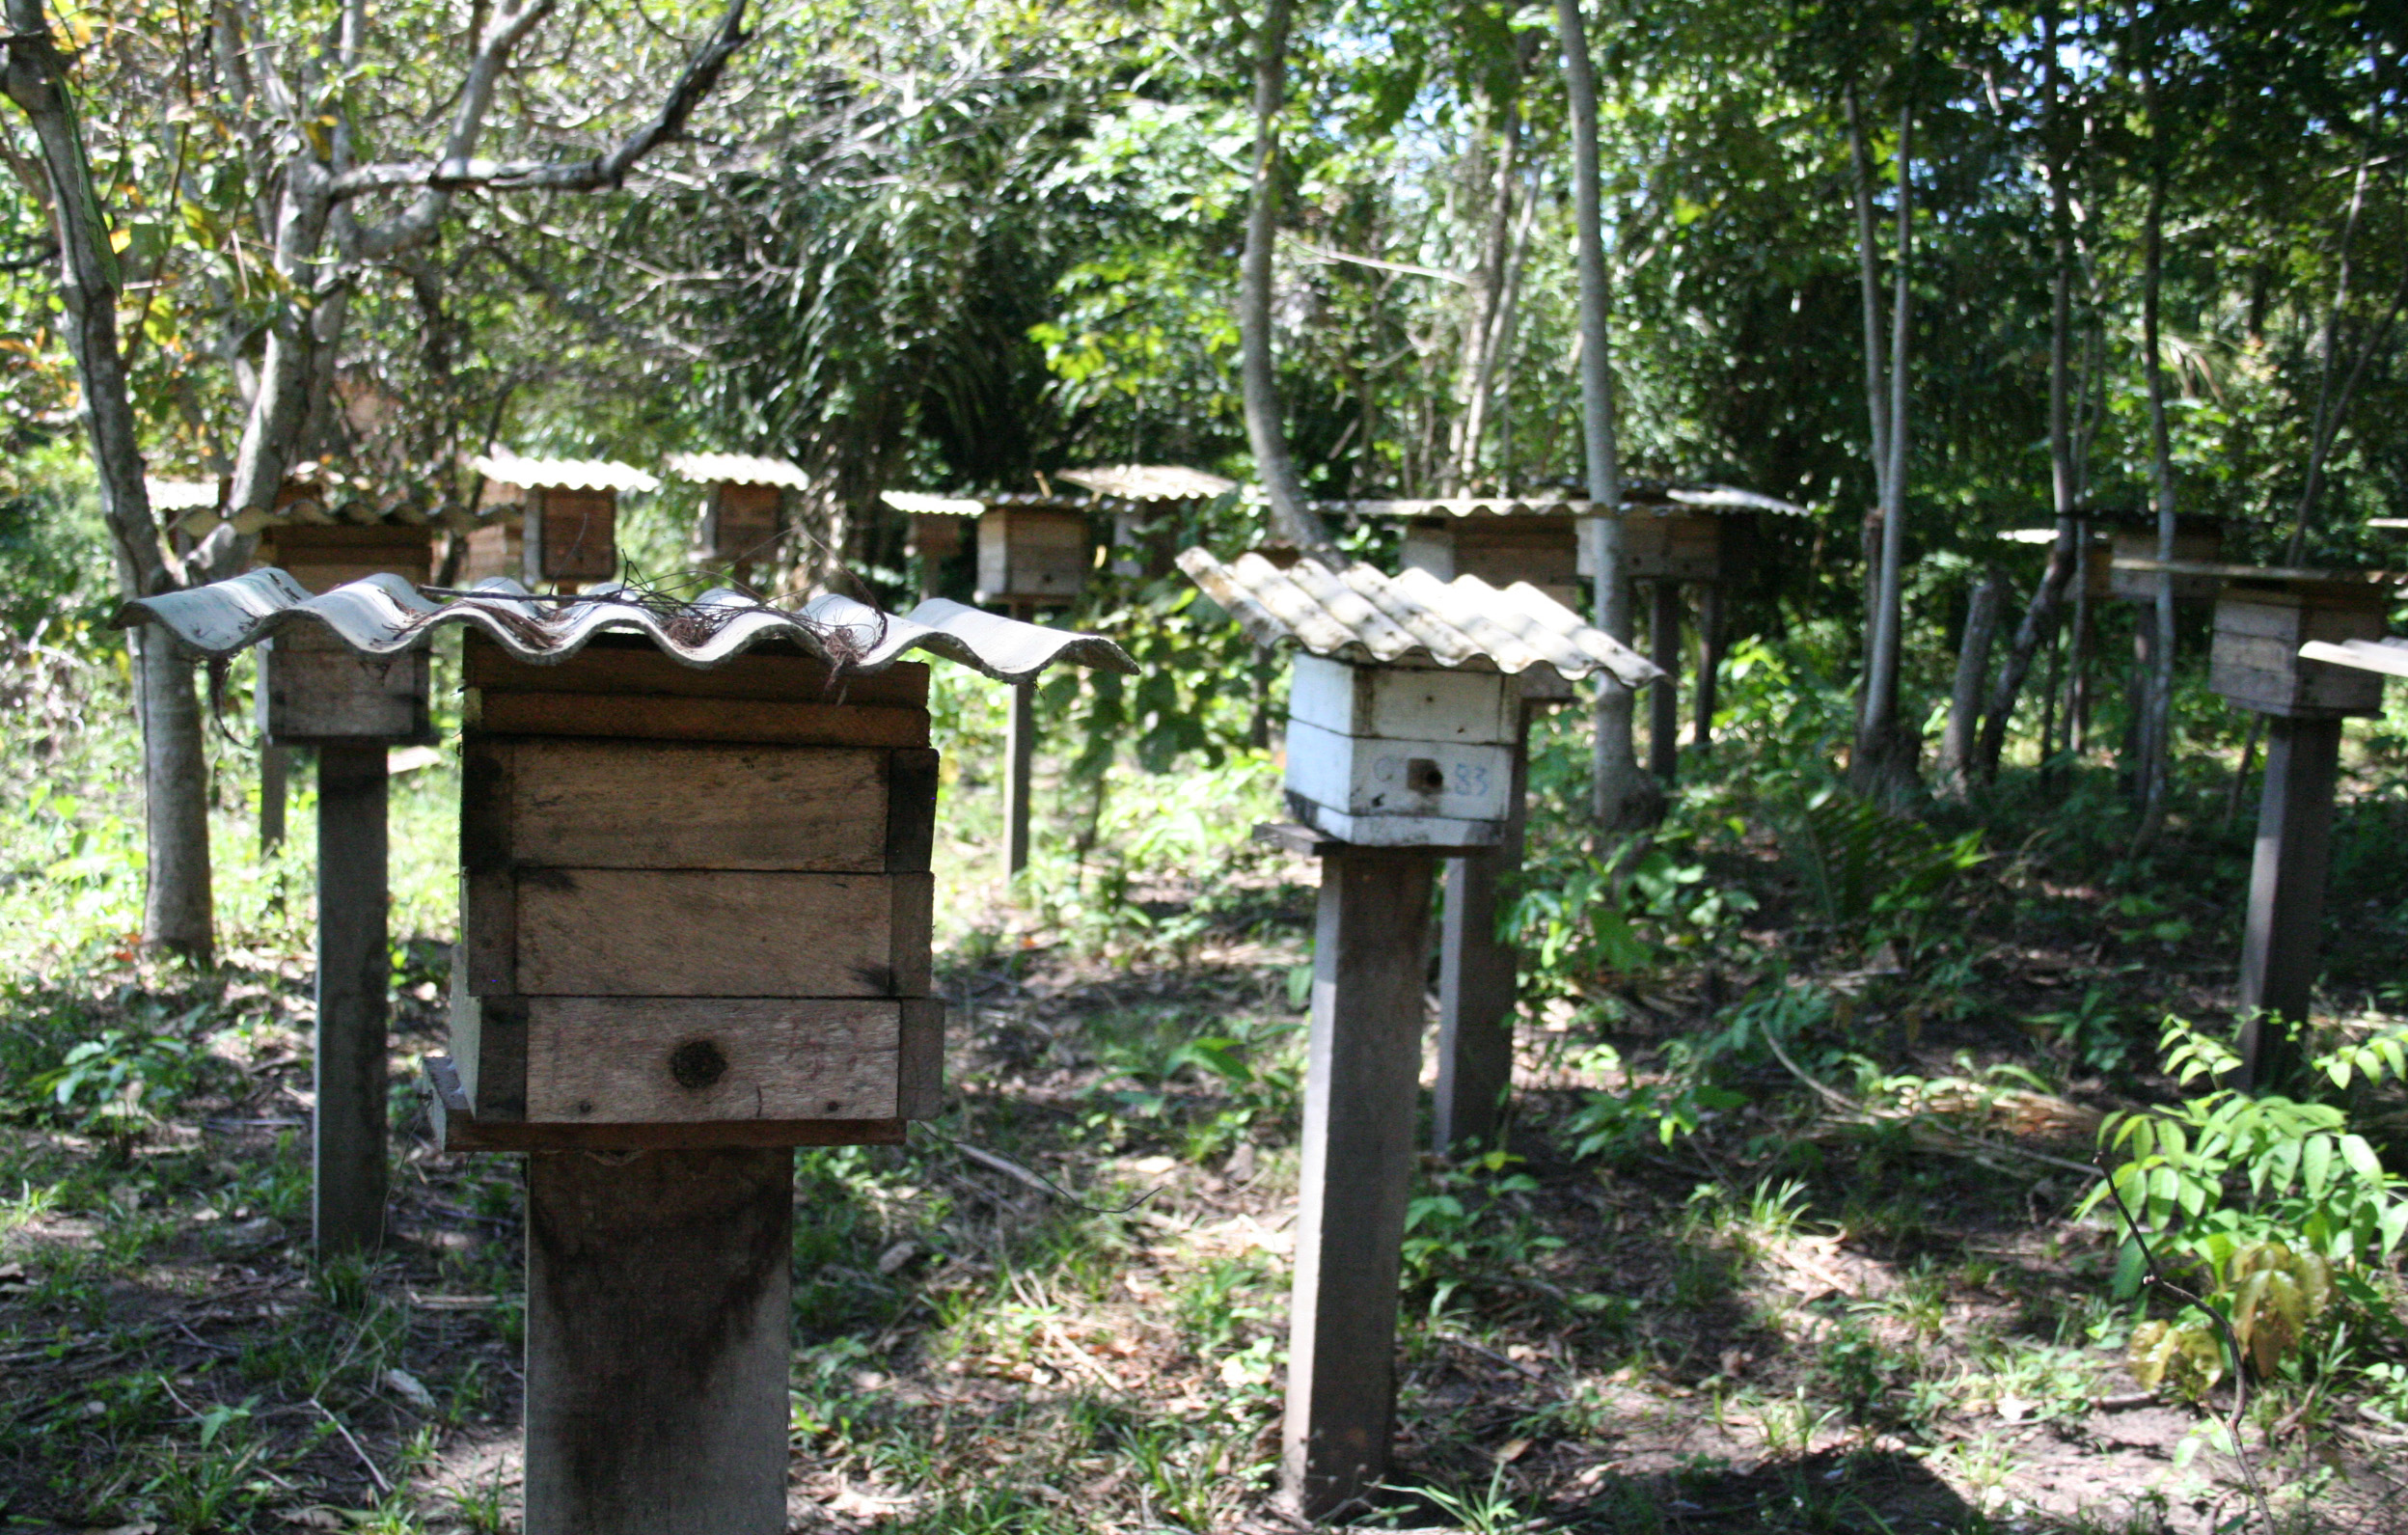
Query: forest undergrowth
[[1796, 1225]]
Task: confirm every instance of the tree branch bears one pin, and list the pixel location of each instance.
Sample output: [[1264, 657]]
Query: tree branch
[[455, 171]]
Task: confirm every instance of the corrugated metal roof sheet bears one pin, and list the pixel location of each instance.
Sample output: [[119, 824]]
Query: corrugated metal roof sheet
[[925, 505], [1149, 483], [2387, 656], [562, 474], [181, 495], [737, 469], [1637, 496], [384, 613], [1360, 614]]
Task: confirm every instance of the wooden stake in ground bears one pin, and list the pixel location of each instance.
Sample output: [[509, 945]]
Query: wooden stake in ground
[[658, 1341], [2262, 620], [1361, 1080], [275, 765], [354, 969], [1664, 705], [1477, 975]]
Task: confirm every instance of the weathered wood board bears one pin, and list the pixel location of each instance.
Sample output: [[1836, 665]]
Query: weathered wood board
[[1032, 554], [2255, 659], [1418, 703], [571, 534], [315, 689]]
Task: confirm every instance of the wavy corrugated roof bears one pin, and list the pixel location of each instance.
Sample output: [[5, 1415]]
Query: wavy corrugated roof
[[1148, 482], [918, 504], [737, 469], [1638, 496], [2387, 656], [381, 615], [181, 495], [1358, 614], [562, 474]]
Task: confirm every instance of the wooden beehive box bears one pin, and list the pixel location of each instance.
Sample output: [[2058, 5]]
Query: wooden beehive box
[[1032, 554], [936, 537], [316, 690], [1399, 756], [1686, 546], [2254, 661], [694, 904], [1500, 550], [324, 556], [739, 522], [2196, 542], [499, 548], [571, 534]]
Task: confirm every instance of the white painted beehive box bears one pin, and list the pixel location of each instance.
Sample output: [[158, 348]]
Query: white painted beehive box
[[1401, 755]]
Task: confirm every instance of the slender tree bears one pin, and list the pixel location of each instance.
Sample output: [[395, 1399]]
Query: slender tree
[[1265, 422], [1883, 763], [1626, 798]]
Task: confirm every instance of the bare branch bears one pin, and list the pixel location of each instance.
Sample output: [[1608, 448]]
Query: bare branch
[[457, 170]]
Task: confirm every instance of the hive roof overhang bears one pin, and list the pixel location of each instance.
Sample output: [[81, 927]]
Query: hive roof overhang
[[1359, 614], [382, 614]]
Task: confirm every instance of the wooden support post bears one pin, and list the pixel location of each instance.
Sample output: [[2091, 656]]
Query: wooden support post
[[275, 762], [1362, 1075], [353, 972], [1020, 748], [1476, 982], [2078, 648], [657, 1341], [1709, 664], [1663, 720], [2285, 910]]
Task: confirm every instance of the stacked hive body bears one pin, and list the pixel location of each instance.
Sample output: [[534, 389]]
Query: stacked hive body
[[1153, 507], [1400, 757], [743, 508], [1033, 551], [559, 515], [694, 904], [2260, 626], [2197, 542]]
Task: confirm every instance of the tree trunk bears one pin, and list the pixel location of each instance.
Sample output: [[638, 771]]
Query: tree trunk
[[1266, 425], [1883, 763], [2157, 745], [2040, 617], [175, 902], [1964, 704], [1876, 373], [1486, 304], [1626, 800]]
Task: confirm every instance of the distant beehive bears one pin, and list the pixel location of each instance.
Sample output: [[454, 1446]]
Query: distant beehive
[[2261, 623], [568, 517], [1148, 504], [743, 503], [1033, 549]]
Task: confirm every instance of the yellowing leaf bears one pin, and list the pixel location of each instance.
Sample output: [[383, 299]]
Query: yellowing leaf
[[119, 239]]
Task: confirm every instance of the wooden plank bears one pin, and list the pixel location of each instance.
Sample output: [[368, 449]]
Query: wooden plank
[[1377, 777], [1709, 644], [613, 663], [589, 932], [354, 969], [658, 1338], [458, 1130], [657, 1060], [1663, 698], [1477, 984], [1363, 1063], [640, 718], [919, 1082], [595, 804], [1020, 756], [2284, 921], [275, 767], [1405, 704], [571, 534], [315, 688], [489, 1049], [911, 810], [488, 952]]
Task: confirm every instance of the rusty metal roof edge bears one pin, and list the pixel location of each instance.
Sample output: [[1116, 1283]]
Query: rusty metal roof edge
[[381, 615]]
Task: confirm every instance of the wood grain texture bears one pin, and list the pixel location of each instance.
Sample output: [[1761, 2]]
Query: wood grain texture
[[597, 1059], [456, 1129], [919, 1084], [315, 689], [571, 534], [589, 803], [488, 890], [659, 717], [722, 933], [912, 780], [354, 972], [631, 664], [489, 1048], [658, 1343]]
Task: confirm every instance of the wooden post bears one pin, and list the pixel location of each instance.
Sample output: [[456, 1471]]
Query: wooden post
[[353, 972], [1709, 664], [2285, 912], [1020, 740], [1663, 720], [1362, 1075], [1476, 982], [657, 1341], [274, 766]]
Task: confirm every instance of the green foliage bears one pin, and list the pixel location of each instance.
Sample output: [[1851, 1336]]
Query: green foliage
[[1865, 865]]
